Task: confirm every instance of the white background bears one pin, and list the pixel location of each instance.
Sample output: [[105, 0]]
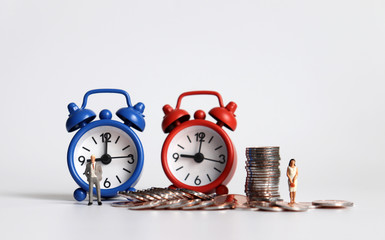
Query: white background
[[307, 76]]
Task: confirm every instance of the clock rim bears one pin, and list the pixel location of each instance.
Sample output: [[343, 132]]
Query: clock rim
[[106, 193], [223, 178]]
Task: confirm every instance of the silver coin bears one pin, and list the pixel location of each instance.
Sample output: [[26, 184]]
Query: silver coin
[[296, 207], [271, 207], [262, 164], [222, 206], [332, 203], [144, 195], [309, 205], [183, 194], [264, 176], [152, 193], [251, 157], [171, 203], [171, 194], [252, 190], [261, 182], [133, 196], [262, 148], [263, 156], [196, 194], [124, 204], [265, 150], [202, 204], [263, 161], [268, 190], [254, 170], [187, 203], [146, 205], [255, 200], [263, 170]]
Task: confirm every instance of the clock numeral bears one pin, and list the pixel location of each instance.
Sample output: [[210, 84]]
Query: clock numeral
[[106, 183], [131, 159], [200, 136], [175, 156], [82, 160], [197, 181], [106, 136], [222, 159]]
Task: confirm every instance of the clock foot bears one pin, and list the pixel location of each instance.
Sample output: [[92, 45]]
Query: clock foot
[[131, 189], [172, 187], [221, 189], [80, 194]]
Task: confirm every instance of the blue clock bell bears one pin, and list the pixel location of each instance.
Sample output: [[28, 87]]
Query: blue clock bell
[[113, 143]]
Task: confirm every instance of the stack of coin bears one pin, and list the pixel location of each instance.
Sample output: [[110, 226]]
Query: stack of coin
[[262, 180]]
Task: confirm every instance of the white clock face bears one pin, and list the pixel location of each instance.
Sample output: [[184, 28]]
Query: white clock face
[[197, 156], [114, 150]]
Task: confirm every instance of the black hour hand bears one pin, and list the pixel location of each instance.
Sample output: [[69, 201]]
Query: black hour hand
[[187, 156]]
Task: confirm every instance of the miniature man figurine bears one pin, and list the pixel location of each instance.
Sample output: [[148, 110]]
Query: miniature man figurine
[[292, 175], [94, 176]]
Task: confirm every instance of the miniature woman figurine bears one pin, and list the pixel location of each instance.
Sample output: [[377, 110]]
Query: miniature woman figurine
[[292, 175]]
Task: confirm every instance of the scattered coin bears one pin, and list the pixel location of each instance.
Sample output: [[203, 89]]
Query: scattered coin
[[295, 207], [202, 204], [332, 203], [222, 206], [187, 203], [240, 201], [124, 204], [267, 206], [171, 203], [146, 205], [308, 204], [196, 194]]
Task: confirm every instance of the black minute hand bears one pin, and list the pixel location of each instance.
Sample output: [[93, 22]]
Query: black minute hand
[[105, 152], [121, 157], [214, 160]]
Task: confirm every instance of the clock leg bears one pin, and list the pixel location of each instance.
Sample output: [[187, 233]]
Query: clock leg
[[221, 189], [80, 194]]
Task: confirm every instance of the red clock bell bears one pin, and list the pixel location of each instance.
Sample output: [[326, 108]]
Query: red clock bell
[[198, 154]]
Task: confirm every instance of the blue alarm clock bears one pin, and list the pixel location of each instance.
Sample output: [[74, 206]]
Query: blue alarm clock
[[113, 143]]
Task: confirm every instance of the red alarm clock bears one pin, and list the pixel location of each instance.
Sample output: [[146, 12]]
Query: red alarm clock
[[198, 154]]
